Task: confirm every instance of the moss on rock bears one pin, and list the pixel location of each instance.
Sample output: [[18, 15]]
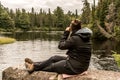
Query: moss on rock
[[117, 58]]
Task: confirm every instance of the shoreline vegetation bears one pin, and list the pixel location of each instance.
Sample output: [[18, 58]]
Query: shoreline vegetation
[[39, 29], [33, 29], [6, 40], [117, 57]]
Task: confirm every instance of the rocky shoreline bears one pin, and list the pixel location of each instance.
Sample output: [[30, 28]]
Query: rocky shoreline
[[101, 68], [18, 74]]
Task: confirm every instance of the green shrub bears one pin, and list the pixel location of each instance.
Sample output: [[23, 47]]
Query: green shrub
[[117, 58], [6, 40]]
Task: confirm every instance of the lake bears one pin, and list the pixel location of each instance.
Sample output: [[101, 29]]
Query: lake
[[40, 46]]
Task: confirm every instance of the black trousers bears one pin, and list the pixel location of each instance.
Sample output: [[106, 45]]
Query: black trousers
[[54, 64]]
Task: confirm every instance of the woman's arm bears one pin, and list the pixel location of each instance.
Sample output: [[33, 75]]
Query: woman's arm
[[66, 43]]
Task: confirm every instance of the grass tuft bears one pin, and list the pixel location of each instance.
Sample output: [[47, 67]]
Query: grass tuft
[[6, 40]]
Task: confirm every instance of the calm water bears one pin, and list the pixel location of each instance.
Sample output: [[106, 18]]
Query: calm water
[[40, 46], [37, 46]]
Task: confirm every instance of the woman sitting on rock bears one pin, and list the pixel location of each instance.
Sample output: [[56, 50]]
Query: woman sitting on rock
[[77, 41]]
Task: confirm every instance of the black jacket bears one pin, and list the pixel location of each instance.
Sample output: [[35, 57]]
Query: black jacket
[[79, 49]]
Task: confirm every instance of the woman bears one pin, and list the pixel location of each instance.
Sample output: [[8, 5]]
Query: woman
[[77, 41]]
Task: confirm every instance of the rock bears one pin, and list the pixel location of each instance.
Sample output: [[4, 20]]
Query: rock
[[20, 74], [104, 63], [108, 63]]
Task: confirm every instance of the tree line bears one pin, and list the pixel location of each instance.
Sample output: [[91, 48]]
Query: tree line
[[103, 18], [22, 20]]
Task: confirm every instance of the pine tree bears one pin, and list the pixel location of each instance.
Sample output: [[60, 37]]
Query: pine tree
[[12, 14], [25, 20], [86, 12], [59, 14], [117, 5], [76, 14], [50, 20], [93, 13], [32, 17], [22, 20]]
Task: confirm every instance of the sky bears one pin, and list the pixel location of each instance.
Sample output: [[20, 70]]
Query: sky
[[45, 4]]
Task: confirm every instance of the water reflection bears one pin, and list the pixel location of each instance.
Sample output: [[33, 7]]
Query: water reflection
[[25, 36], [104, 48], [99, 47]]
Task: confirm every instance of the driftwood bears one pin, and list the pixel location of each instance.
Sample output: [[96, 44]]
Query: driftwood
[[108, 32], [102, 30]]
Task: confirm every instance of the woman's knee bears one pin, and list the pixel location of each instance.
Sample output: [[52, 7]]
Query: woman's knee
[[57, 58], [53, 57]]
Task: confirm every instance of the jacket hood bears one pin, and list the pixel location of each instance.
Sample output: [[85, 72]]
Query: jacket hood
[[84, 33]]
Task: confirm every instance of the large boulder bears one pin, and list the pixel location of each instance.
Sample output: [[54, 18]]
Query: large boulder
[[20, 74]]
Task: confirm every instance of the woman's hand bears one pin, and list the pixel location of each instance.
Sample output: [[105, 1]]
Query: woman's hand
[[68, 29]]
